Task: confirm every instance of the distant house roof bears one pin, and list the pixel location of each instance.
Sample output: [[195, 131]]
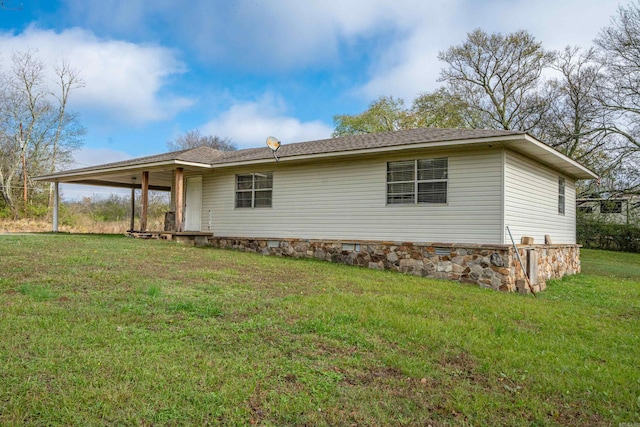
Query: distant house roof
[[205, 157]]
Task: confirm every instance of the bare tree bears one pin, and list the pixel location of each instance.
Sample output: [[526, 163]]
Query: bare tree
[[499, 77], [24, 103], [66, 129], [578, 124], [194, 139], [32, 124], [619, 45]]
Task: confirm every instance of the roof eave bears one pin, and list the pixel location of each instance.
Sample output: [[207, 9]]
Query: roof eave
[[78, 173], [560, 161]]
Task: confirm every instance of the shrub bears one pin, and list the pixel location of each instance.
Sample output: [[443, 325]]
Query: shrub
[[596, 234]]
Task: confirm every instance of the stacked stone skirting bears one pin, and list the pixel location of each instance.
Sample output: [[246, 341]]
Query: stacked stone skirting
[[489, 266]]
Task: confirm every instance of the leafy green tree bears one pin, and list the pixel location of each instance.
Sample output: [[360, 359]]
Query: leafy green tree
[[441, 109], [386, 114]]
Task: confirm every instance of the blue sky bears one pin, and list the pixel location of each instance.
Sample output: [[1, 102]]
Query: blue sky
[[248, 69]]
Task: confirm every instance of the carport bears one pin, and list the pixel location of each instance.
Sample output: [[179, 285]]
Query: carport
[[163, 172]]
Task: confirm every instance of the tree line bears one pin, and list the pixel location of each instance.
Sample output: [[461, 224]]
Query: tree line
[[584, 102]]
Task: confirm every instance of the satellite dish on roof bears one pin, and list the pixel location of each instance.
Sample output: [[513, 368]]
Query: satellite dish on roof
[[273, 144]]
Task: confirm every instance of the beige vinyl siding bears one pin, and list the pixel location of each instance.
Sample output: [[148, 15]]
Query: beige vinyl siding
[[531, 201], [346, 200], [210, 197]]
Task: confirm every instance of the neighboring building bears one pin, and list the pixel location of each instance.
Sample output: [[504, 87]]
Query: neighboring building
[[358, 199], [619, 209]]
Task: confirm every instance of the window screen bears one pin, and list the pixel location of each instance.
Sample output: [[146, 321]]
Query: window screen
[[254, 190], [417, 181]]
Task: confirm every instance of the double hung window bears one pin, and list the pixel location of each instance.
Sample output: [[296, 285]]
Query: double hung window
[[254, 190], [561, 196], [417, 181]]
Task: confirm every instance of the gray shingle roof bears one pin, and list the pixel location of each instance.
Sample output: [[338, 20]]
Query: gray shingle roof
[[209, 156], [361, 142], [203, 155]]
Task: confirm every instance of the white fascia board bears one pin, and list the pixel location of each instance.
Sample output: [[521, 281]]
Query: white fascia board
[[144, 166], [194, 164]]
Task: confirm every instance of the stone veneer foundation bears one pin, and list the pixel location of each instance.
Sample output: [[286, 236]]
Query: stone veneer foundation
[[489, 266]]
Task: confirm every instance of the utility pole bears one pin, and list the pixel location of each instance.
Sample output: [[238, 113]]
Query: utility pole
[[24, 168]]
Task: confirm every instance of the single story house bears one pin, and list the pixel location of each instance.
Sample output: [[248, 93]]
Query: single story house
[[441, 203]]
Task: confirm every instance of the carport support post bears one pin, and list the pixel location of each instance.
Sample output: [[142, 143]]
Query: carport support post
[[179, 195], [145, 201], [133, 209], [56, 201]]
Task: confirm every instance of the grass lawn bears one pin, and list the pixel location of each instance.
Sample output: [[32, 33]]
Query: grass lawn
[[105, 330]]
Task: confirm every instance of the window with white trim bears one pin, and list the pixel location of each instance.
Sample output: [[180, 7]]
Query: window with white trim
[[254, 190], [417, 181], [561, 196]]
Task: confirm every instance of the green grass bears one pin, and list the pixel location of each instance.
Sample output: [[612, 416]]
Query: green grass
[[105, 330]]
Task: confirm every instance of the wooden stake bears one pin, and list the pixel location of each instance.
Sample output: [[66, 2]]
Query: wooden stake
[[524, 272]]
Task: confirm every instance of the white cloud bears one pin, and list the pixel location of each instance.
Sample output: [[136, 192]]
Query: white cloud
[[400, 38], [262, 35], [248, 124], [410, 66], [123, 79]]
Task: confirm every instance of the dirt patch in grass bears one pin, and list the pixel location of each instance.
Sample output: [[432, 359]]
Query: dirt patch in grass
[[460, 362], [571, 414], [371, 375]]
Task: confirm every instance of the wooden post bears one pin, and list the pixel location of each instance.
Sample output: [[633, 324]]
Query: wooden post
[[133, 209], [179, 189], [145, 201], [56, 199]]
